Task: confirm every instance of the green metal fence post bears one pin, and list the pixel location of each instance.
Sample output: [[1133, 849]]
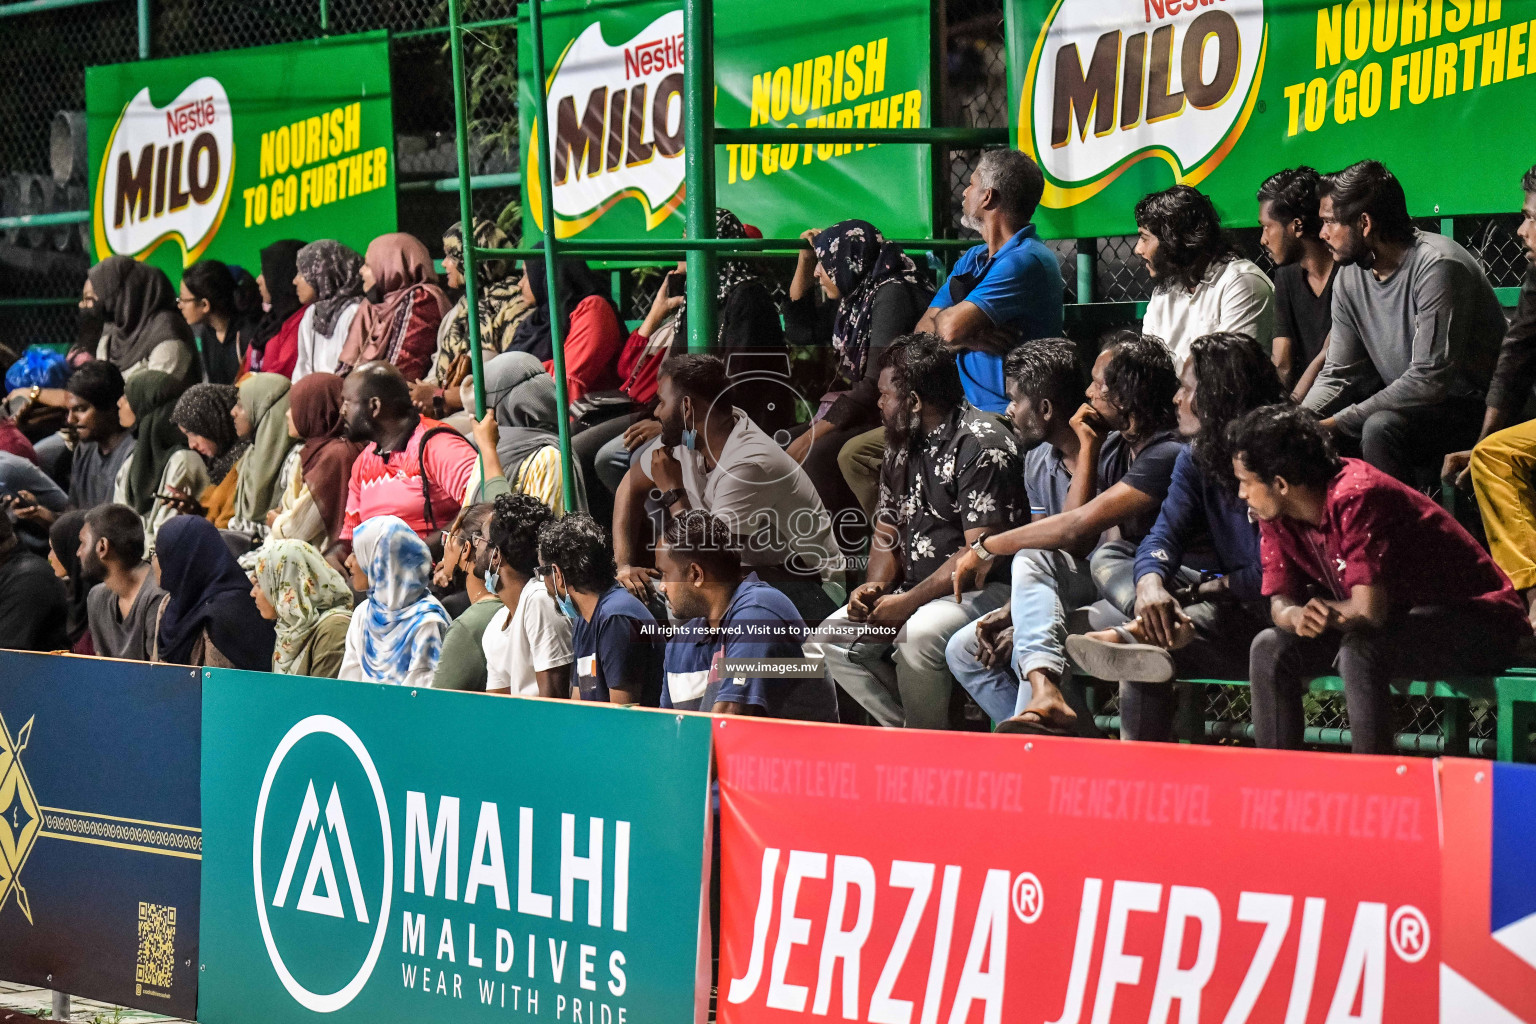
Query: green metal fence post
[[541, 139], [466, 198], [1087, 256], [699, 166], [143, 29], [325, 21]]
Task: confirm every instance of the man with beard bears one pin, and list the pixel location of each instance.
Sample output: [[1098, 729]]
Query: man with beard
[[729, 616], [1503, 465], [1200, 285], [123, 610], [414, 467], [951, 477], [92, 393], [1199, 615], [1125, 452], [711, 456], [1416, 328], [1304, 269], [1366, 578], [461, 574]]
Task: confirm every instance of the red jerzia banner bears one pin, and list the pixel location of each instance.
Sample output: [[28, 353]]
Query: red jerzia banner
[[939, 878]]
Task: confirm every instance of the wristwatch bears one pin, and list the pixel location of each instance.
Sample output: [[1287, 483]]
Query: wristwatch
[[979, 545], [670, 497]]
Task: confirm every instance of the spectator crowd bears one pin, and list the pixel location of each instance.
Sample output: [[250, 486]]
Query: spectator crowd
[[977, 513]]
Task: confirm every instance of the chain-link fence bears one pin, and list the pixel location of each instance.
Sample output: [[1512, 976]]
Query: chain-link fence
[[48, 51]]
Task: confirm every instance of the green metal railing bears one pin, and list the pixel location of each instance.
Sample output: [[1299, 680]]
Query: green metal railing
[[699, 247]]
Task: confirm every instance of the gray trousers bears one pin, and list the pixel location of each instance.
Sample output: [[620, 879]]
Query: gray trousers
[[907, 683]]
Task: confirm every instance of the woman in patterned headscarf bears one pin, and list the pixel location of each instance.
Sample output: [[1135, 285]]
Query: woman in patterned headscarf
[[310, 604], [870, 294], [205, 416], [401, 328], [330, 280], [396, 636], [499, 297]]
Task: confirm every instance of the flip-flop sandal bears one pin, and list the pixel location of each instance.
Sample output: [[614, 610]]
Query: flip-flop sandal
[[1115, 663], [1040, 728]]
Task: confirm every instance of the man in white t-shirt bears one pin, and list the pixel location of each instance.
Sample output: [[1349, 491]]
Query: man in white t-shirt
[[528, 643], [711, 456], [1200, 286]]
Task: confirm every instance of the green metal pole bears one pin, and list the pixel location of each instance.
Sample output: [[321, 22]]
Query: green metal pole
[[699, 166], [143, 29], [325, 16], [1087, 256], [466, 199], [541, 139]]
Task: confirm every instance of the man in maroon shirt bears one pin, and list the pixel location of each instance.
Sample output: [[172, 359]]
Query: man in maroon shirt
[[1365, 576]]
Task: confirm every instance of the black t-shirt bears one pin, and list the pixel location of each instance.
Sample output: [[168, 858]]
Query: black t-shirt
[[1304, 317], [1149, 472]]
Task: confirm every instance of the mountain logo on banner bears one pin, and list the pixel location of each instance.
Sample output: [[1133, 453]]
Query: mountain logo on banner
[[1115, 82], [23, 819], [166, 173], [617, 113], [334, 867]]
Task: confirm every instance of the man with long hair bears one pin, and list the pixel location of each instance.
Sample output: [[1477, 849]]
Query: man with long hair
[[1200, 285], [1188, 622]]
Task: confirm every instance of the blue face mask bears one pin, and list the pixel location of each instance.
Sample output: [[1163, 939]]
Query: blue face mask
[[690, 438], [568, 607], [492, 580]]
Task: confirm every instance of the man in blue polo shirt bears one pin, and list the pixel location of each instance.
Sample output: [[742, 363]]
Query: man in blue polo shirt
[[614, 637], [730, 617], [1005, 291]]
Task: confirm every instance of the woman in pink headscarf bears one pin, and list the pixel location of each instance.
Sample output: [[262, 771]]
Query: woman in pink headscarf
[[401, 328]]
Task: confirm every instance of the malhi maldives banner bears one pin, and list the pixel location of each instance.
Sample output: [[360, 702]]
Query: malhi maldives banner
[[384, 854], [921, 878], [615, 91], [221, 154], [1117, 98]]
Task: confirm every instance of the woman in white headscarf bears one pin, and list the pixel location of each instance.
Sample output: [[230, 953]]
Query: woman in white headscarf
[[396, 635]]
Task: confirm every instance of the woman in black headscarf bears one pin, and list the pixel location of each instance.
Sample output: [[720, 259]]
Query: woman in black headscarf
[[873, 293], [275, 344], [210, 618], [144, 329]]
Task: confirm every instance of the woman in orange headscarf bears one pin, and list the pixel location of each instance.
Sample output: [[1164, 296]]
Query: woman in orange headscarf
[[402, 327]]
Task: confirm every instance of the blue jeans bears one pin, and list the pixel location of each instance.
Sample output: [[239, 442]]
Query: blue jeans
[[1046, 584]]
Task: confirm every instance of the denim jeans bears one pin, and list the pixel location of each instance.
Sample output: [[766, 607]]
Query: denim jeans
[[1046, 585]]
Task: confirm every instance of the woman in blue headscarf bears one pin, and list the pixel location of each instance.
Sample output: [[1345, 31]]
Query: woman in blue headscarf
[[210, 619], [396, 636]]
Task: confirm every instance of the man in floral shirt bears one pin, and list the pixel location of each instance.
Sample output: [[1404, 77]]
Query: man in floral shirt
[[951, 474]]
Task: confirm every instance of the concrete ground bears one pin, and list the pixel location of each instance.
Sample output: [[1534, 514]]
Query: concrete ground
[[38, 1002]]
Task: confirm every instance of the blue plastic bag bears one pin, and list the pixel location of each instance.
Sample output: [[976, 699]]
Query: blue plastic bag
[[38, 367]]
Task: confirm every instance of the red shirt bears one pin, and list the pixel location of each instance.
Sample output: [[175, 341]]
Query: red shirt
[[14, 441], [592, 349], [1379, 532], [390, 485]]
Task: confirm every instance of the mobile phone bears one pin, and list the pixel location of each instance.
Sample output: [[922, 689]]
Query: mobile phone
[[677, 282]]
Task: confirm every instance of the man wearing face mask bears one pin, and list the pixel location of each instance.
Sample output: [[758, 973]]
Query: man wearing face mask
[[527, 645], [465, 564], [711, 456], [614, 637], [951, 477]]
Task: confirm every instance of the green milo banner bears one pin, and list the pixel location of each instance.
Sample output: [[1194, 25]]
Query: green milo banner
[[221, 154], [1117, 98], [615, 91], [377, 854]]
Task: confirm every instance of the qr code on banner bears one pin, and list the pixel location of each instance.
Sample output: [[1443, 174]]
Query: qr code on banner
[[157, 947]]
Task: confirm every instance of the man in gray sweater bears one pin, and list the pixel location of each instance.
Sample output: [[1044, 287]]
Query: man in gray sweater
[[1416, 328]]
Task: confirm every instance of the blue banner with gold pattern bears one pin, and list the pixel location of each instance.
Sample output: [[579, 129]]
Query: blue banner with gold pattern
[[101, 845]]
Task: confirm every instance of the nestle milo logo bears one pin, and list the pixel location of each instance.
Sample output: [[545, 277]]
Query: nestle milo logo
[[1114, 82], [617, 112], [166, 173]]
